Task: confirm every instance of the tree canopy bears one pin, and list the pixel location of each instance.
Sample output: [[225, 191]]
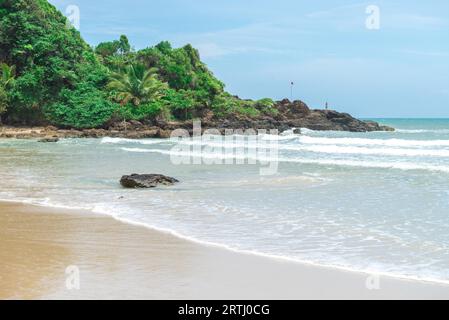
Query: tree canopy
[[61, 80]]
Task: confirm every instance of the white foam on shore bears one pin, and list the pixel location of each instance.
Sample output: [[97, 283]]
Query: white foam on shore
[[108, 140], [107, 211]]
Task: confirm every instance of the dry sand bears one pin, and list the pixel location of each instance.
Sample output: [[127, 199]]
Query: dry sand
[[121, 261]]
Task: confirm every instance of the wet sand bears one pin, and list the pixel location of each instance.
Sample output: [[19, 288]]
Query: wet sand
[[121, 261]]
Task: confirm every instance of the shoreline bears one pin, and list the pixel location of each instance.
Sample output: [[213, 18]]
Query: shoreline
[[293, 115], [219, 246], [297, 280]]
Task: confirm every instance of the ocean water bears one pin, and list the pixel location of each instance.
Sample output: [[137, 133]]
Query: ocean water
[[372, 202]]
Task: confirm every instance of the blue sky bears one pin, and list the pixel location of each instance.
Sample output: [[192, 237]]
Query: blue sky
[[258, 47]]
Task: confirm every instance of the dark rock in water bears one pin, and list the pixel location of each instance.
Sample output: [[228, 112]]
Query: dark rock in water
[[146, 181], [49, 140], [296, 131]]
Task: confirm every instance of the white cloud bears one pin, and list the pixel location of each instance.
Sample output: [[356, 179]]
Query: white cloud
[[258, 37]]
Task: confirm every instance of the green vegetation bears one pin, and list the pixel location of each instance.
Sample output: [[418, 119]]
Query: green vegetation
[[54, 77], [108, 49], [137, 85], [7, 77]]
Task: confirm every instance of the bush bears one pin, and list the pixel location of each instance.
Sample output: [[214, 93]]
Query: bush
[[180, 103], [266, 106], [52, 61], [3, 100], [84, 107], [182, 69], [264, 103], [142, 112], [225, 104]]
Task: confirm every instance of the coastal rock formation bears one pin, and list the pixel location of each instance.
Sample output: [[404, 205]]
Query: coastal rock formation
[[146, 181], [49, 139], [285, 116], [336, 121], [297, 114]]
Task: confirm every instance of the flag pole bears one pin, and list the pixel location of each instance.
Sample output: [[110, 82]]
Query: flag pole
[[291, 90]]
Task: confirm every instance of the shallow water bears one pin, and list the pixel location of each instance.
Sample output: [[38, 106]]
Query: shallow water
[[363, 201]]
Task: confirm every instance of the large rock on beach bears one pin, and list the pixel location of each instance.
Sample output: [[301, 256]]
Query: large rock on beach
[[146, 181]]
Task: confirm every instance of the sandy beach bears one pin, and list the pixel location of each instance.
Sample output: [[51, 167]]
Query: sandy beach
[[117, 260]]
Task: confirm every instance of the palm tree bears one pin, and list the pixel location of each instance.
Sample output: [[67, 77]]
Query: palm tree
[[6, 80], [3, 102], [137, 85], [8, 74]]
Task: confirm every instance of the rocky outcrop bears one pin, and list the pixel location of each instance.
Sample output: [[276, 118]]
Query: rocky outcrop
[[336, 121], [51, 133], [146, 181], [297, 114], [49, 140], [288, 115], [285, 116]]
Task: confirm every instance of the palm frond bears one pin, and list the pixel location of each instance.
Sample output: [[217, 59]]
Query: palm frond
[[136, 84]]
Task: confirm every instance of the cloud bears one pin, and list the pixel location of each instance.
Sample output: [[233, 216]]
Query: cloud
[[252, 38]]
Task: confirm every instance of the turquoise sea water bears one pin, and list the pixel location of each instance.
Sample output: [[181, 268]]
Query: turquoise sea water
[[374, 202]]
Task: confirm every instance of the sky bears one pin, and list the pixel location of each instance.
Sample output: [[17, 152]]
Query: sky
[[370, 59]]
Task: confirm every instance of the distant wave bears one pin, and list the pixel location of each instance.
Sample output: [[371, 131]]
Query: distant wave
[[310, 131], [374, 164], [422, 130], [323, 148], [328, 162], [303, 139], [334, 149], [373, 142], [280, 137], [108, 140]]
